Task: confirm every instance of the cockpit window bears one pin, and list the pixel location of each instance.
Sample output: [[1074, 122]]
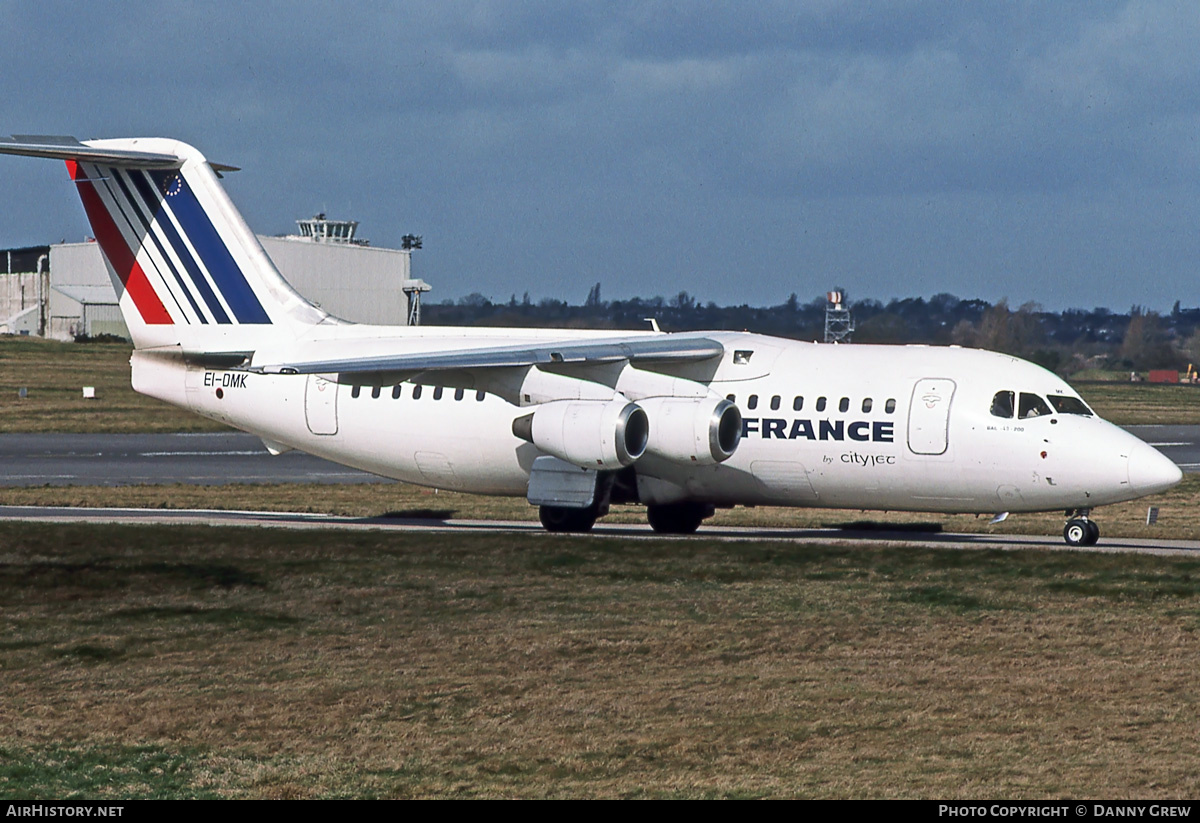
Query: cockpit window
[[1064, 404], [1032, 406], [1002, 404]]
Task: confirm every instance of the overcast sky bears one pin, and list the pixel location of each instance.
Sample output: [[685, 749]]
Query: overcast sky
[[1034, 151]]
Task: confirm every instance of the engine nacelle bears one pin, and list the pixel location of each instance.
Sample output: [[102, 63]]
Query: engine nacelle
[[592, 434], [693, 430]]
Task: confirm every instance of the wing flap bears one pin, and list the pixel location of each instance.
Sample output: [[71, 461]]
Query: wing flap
[[657, 348]]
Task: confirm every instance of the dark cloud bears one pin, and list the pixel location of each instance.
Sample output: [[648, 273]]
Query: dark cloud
[[1036, 151]]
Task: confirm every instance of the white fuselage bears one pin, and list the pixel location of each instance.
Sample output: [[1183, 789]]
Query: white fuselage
[[850, 426]]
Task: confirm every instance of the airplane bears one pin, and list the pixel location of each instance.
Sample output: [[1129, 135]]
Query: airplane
[[577, 420]]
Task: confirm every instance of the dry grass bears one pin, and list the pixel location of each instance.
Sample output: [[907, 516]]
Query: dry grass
[[1130, 404], [54, 375], [244, 663]]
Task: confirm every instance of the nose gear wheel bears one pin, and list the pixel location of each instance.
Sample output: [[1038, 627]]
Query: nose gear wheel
[[1080, 531]]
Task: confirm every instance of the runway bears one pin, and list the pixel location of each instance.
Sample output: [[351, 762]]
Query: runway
[[209, 459], [412, 526], [1180, 443], [128, 459]]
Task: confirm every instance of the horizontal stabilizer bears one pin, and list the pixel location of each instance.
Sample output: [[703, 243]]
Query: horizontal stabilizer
[[649, 348], [68, 148]]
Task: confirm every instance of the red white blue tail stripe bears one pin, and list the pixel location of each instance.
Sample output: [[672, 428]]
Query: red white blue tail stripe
[[163, 246], [121, 254]]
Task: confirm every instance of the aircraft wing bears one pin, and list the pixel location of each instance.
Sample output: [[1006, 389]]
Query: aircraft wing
[[646, 348]]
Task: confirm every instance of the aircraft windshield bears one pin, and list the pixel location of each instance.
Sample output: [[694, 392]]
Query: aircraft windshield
[[1002, 404], [1064, 404], [1032, 406], [1027, 404]]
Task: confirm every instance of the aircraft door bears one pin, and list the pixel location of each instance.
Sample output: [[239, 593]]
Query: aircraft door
[[320, 405], [929, 416]]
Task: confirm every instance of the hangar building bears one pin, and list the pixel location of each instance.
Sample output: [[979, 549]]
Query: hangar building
[[63, 291]]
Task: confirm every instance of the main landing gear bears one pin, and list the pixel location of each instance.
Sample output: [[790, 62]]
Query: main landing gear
[[551, 486], [563, 520], [672, 518], [678, 518], [1080, 531]]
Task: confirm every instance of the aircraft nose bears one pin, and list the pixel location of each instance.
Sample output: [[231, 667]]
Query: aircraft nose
[[1150, 471]]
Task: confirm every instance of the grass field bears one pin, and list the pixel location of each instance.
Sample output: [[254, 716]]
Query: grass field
[[55, 373], [159, 662], [1129, 404]]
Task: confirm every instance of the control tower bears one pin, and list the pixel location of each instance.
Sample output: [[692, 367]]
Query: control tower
[[321, 229]]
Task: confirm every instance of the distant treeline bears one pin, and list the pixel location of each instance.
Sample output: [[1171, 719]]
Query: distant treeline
[[1065, 341]]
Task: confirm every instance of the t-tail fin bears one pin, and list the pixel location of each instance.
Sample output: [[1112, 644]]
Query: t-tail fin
[[186, 268]]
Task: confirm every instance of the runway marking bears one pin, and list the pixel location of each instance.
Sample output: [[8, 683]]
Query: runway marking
[[251, 452], [40, 476]]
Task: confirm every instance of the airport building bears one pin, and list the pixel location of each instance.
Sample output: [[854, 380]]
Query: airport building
[[24, 284], [63, 291]]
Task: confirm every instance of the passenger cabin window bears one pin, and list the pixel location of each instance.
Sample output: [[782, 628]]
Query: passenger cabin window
[[752, 402], [355, 391], [437, 392], [376, 391], [1002, 404], [797, 403], [416, 392], [479, 395], [890, 405], [1064, 404], [458, 394], [396, 392], [866, 406], [844, 404], [820, 404], [732, 398], [1032, 406], [775, 403]]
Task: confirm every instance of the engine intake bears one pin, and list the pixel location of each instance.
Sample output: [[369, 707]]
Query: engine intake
[[693, 430], [592, 434]]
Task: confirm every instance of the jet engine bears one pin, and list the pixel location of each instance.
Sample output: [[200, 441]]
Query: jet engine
[[592, 434], [693, 430]]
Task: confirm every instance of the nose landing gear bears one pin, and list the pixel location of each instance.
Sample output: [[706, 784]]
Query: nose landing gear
[[1080, 530]]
